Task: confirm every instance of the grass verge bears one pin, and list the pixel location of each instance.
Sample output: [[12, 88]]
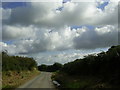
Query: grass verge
[[13, 79]]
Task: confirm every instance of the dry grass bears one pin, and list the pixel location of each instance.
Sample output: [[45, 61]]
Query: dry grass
[[13, 79]]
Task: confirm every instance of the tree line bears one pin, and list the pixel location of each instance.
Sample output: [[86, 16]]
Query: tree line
[[17, 63], [50, 68], [105, 65]]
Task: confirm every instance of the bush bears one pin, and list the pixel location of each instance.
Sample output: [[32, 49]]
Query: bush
[[50, 68], [104, 64], [17, 63]]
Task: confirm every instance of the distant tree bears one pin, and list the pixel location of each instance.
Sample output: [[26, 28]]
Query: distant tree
[[57, 66], [50, 68], [42, 67]]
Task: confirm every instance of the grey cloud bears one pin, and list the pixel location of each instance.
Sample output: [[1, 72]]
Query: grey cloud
[[40, 28], [66, 39], [91, 39], [45, 14], [17, 32]]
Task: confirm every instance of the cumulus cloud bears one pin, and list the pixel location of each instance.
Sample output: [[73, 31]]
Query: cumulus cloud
[[17, 32], [6, 13], [43, 27], [100, 37], [9, 48], [82, 38], [40, 39], [34, 13], [45, 14]]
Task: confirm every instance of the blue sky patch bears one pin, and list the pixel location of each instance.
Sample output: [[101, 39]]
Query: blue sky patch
[[60, 8], [9, 42], [6, 5], [102, 6], [88, 26], [64, 1]]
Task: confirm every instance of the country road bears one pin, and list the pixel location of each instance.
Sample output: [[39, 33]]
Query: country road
[[41, 81]]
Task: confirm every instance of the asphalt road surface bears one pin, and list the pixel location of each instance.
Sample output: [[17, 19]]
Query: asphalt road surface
[[41, 81]]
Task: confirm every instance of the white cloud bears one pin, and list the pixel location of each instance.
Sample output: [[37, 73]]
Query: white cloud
[[45, 15], [17, 32], [43, 40], [100, 37], [6, 13], [106, 29], [39, 27], [2, 45], [9, 48]]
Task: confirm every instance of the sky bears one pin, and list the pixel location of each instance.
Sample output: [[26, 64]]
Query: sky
[[58, 31]]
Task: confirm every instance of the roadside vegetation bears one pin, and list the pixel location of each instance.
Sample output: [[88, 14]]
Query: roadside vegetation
[[16, 70], [93, 71], [50, 68]]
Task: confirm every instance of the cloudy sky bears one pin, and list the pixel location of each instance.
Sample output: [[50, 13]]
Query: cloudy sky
[[58, 31]]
